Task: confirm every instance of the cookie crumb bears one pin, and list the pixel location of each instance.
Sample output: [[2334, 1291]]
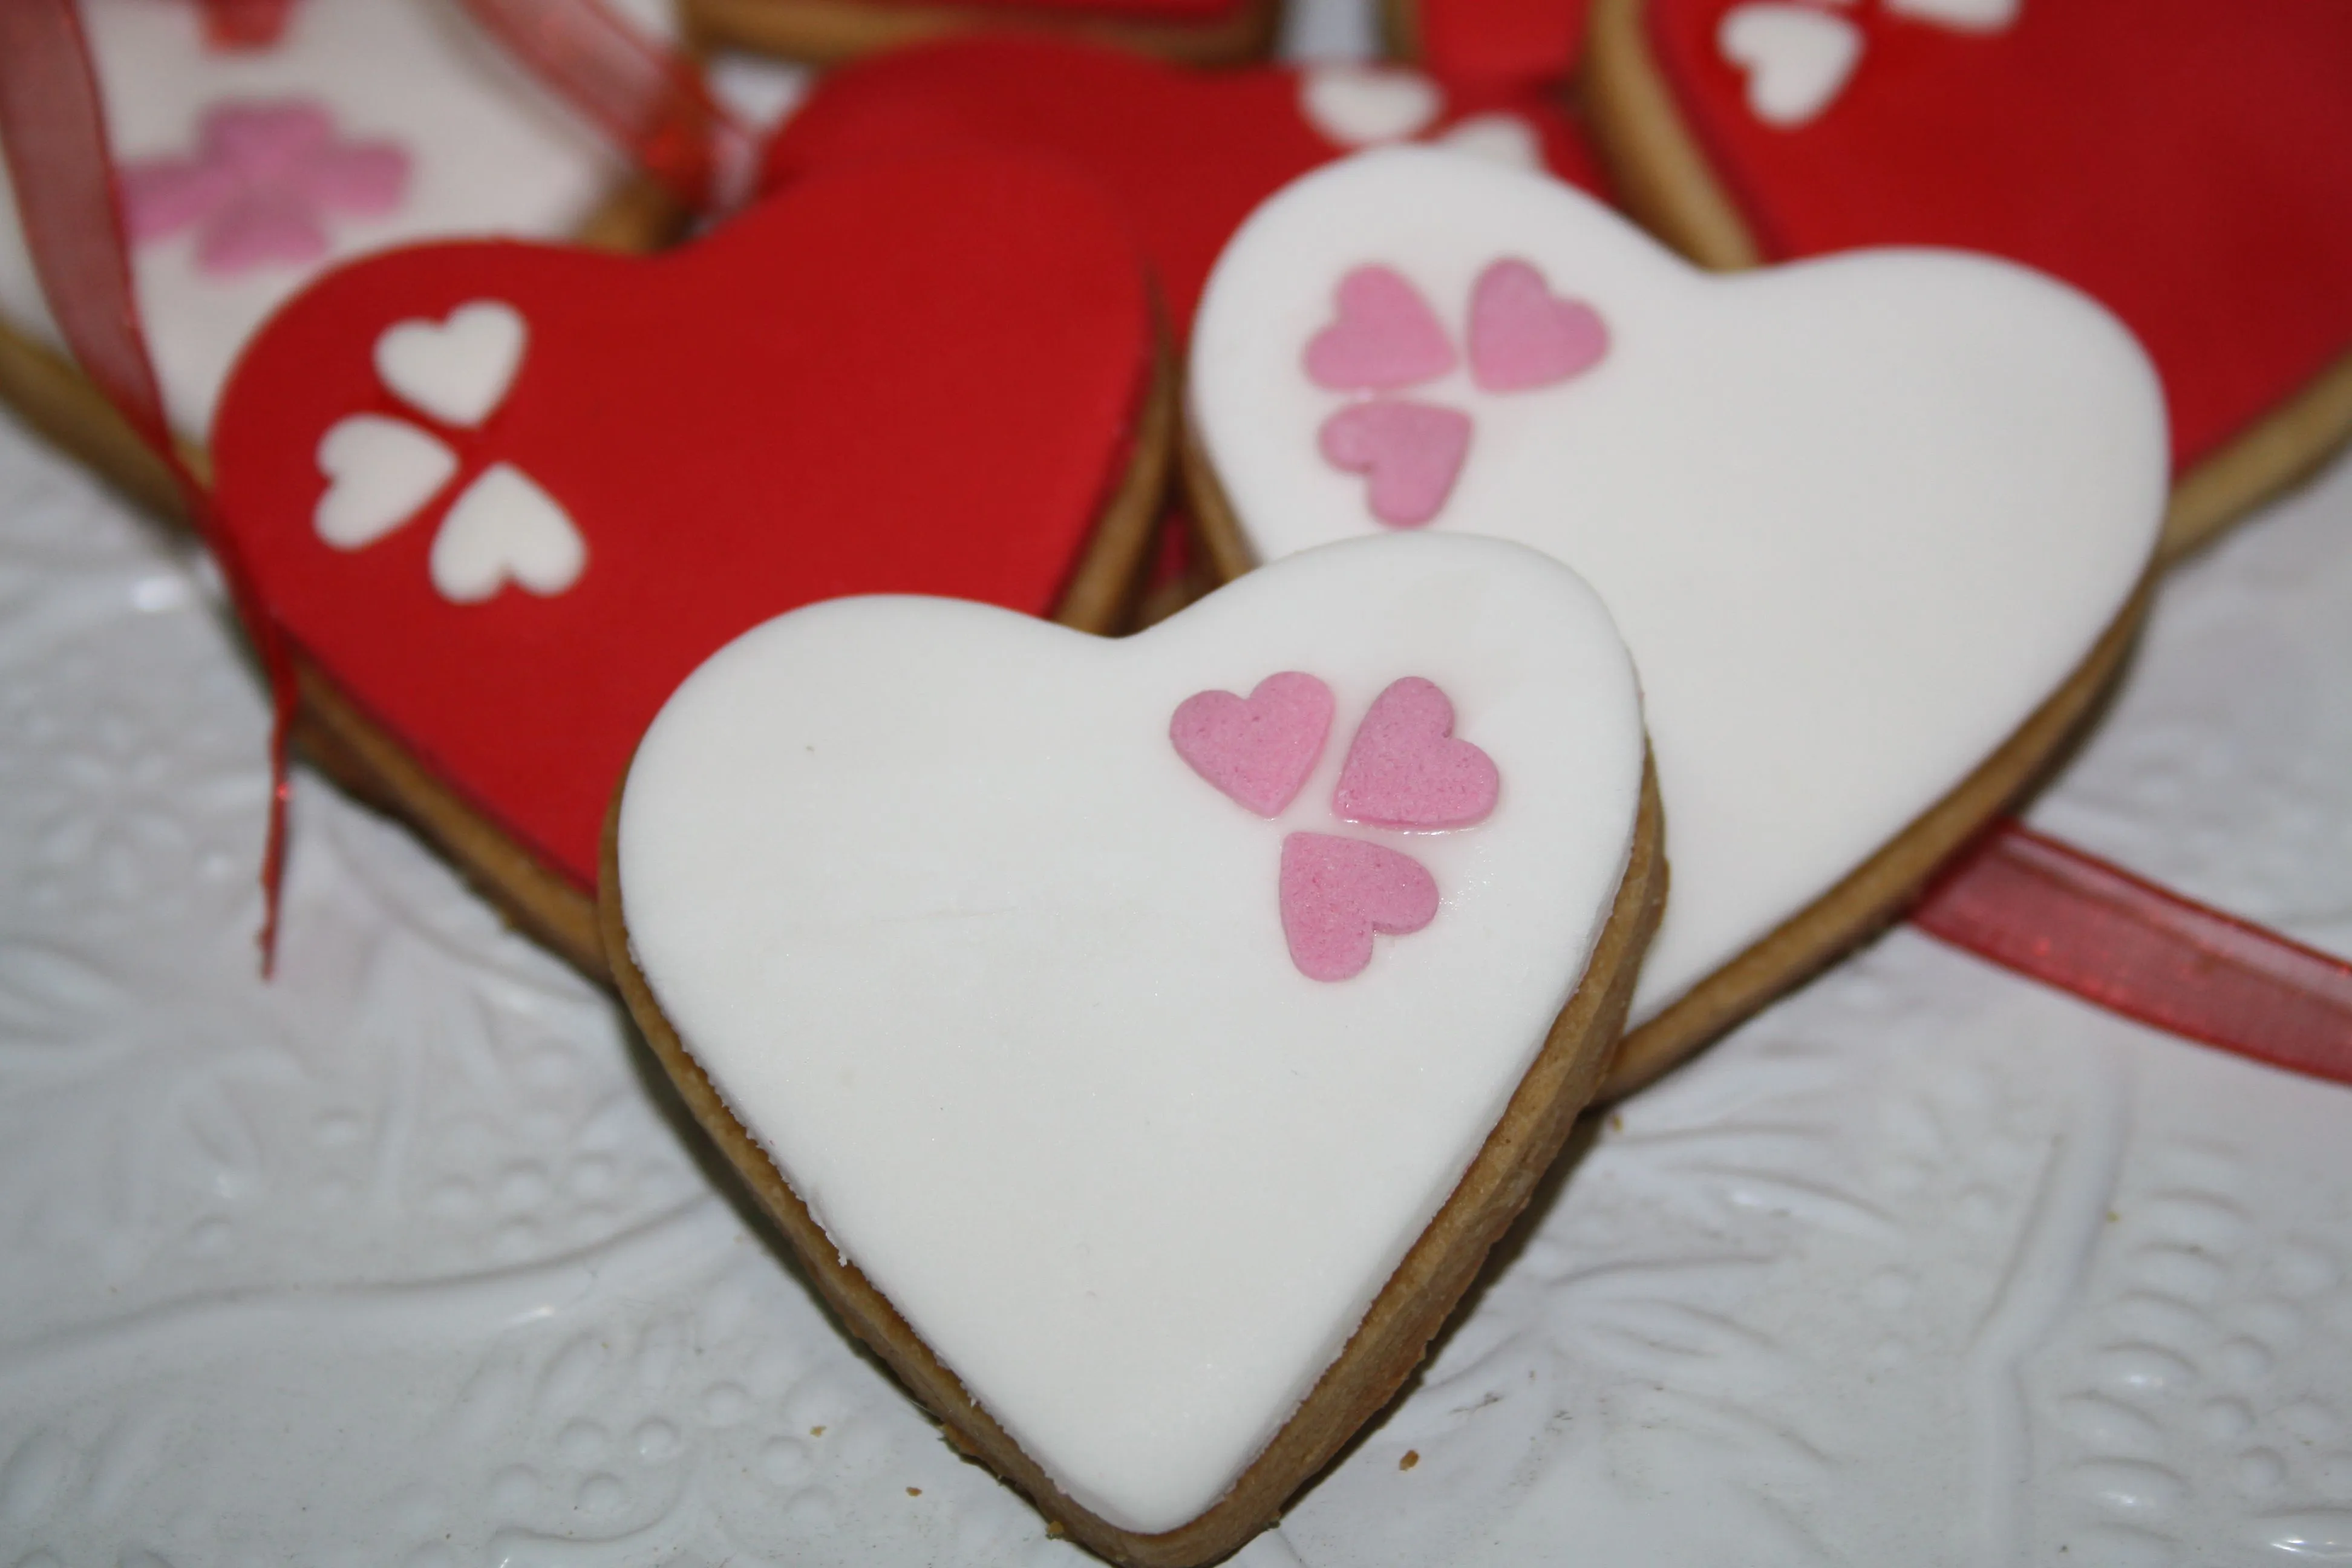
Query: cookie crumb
[[816, 1431], [1411, 1458], [914, 1491]]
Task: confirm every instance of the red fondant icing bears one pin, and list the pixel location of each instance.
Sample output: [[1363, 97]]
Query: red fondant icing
[[1258, 749], [921, 376], [1185, 153], [1534, 43], [1404, 770], [2183, 160], [1336, 892], [244, 24]]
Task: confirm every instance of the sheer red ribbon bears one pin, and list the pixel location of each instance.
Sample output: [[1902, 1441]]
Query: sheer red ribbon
[[649, 103], [2035, 905], [54, 132]]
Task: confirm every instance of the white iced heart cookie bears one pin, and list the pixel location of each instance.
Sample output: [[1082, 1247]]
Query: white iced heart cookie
[[1015, 950], [1870, 525], [459, 369]]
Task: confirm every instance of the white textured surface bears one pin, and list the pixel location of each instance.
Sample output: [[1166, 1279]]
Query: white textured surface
[[398, 1261]]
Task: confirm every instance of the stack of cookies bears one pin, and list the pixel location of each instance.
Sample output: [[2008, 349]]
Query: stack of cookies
[[1149, 677]]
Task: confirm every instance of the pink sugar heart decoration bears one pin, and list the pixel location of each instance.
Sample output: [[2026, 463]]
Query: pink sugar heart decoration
[[1336, 892], [263, 181], [1386, 337], [1405, 771], [1522, 335], [1411, 451], [1258, 749]]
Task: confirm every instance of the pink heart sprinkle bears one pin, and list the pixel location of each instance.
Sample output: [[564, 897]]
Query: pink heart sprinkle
[[1404, 772], [1336, 892], [1413, 451], [1386, 336], [1258, 749], [1522, 335]]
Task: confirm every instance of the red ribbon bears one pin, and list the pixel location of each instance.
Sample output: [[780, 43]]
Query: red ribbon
[[2035, 905], [53, 129], [650, 103]]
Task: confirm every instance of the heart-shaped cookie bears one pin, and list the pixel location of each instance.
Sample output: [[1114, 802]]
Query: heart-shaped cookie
[[1185, 153], [1872, 526], [1148, 1139], [2178, 159], [932, 374]]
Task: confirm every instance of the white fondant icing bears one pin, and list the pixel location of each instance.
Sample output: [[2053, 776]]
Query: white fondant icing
[[1361, 106], [506, 529], [379, 473], [1001, 982], [458, 369], [1499, 137], [1856, 517], [491, 154], [1967, 16], [1797, 59]]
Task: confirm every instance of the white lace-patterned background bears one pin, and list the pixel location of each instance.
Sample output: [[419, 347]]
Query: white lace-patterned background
[[404, 1259]]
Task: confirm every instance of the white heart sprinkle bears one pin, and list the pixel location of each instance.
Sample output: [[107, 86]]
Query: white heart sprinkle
[[379, 473], [1498, 138], [1360, 106], [505, 527], [458, 369], [1966, 15], [1797, 59]]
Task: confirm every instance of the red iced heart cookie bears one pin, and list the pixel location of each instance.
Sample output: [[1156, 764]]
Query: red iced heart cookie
[[927, 375], [2180, 160], [1186, 155]]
